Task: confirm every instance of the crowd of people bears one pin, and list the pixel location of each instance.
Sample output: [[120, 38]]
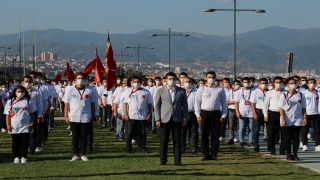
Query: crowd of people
[[175, 107]]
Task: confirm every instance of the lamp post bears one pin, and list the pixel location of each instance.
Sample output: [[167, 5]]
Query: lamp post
[[234, 28], [169, 35], [120, 65], [138, 47], [5, 62]]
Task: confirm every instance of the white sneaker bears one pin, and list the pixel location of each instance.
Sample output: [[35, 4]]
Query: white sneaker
[[221, 139], [23, 160], [235, 140], [70, 134], [305, 148], [16, 160], [38, 149], [68, 127], [84, 158], [29, 149], [75, 158], [3, 130], [308, 136], [317, 148], [133, 141], [301, 145]]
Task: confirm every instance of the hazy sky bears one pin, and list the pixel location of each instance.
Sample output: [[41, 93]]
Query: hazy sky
[[132, 16]]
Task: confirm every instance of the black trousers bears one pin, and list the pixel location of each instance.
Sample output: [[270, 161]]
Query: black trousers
[[273, 129], [291, 134], [192, 128], [164, 131], [223, 127], [35, 137], [210, 123], [79, 130], [20, 140], [315, 119]]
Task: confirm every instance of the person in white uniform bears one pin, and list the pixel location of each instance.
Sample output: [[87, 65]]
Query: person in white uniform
[[20, 119], [5, 95], [79, 113], [293, 116]]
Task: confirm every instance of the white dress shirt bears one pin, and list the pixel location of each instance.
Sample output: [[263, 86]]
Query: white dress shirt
[[191, 95], [230, 97], [271, 101], [242, 96]]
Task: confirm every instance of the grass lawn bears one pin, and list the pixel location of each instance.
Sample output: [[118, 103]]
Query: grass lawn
[[110, 162]]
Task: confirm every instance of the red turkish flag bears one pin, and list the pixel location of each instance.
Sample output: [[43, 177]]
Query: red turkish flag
[[99, 69], [88, 69], [68, 73], [58, 77], [111, 66]]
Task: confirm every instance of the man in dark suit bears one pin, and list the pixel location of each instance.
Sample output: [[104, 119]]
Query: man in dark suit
[[171, 114]]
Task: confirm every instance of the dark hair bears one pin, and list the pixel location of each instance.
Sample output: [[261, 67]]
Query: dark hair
[[80, 73], [164, 77], [312, 80], [263, 79], [201, 80], [236, 81], [226, 79], [211, 72], [171, 74], [183, 73], [157, 78], [278, 77], [297, 77], [27, 77], [136, 77], [246, 78], [253, 78], [290, 79], [13, 94], [303, 78]]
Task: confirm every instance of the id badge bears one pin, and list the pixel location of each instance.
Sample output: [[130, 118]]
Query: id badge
[[246, 102], [286, 107], [81, 103], [12, 113], [128, 100]]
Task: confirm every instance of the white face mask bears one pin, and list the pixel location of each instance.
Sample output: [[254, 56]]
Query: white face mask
[[201, 85], [271, 88], [4, 89], [211, 81], [27, 85], [104, 84], [136, 85], [150, 83], [158, 83], [278, 86], [263, 86], [164, 83], [226, 85], [187, 85], [20, 95], [171, 82], [312, 86], [236, 87], [81, 82], [118, 81], [303, 82], [246, 85], [292, 86]]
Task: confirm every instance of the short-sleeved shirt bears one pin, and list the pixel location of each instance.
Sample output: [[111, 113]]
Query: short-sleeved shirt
[[230, 97], [119, 100], [243, 96], [293, 115], [258, 97], [21, 118], [77, 113], [138, 106], [312, 101]]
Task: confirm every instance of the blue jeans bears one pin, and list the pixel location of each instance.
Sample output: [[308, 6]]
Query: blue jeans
[[120, 127], [136, 127], [256, 124], [242, 126], [51, 118], [153, 122]]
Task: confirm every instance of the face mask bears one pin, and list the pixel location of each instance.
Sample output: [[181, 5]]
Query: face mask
[[54, 83], [65, 84], [236, 87], [311, 86], [104, 83], [263, 86], [171, 83], [27, 85], [136, 85], [20, 95], [246, 85], [164, 83], [303, 82], [4, 89], [278, 86], [211, 81], [187, 85], [158, 83], [43, 81], [150, 83], [81, 82], [201, 85], [251, 84], [118, 81], [292, 86], [226, 85], [271, 88]]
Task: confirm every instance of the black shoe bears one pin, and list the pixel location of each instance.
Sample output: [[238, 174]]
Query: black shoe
[[295, 157], [251, 145], [128, 151], [102, 127], [154, 131], [214, 158], [231, 142], [282, 153], [117, 135], [245, 143], [290, 157], [162, 163], [241, 144], [265, 139], [194, 153], [273, 154], [183, 151], [206, 158], [178, 164], [256, 149], [112, 129], [143, 150]]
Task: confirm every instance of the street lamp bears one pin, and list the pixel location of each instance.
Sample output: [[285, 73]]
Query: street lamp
[[5, 62], [138, 47], [234, 28], [169, 35], [130, 55]]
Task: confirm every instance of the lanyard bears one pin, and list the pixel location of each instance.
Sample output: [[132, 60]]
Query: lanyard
[[62, 91], [243, 94], [13, 103], [30, 93], [314, 92], [288, 98], [133, 92], [189, 93], [81, 95], [263, 93]]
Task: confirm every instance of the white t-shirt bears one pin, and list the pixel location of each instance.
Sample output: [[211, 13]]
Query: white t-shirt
[[293, 115], [138, 105], [119, 100], [312, 101], [258, 97], [191, 97], [242, 96], [230, 97], [37, 99], [78, 113], [21, 118]]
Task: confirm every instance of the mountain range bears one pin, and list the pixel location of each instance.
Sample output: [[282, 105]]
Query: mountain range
[[257, 51]]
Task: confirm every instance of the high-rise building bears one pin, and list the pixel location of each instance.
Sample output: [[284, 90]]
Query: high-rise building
[[49, 56]]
